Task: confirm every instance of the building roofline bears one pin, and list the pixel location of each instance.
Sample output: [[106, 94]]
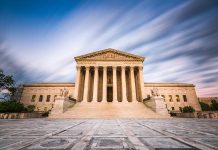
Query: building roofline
[[71, 84], [109, 50], [156, 84], [50, 84]]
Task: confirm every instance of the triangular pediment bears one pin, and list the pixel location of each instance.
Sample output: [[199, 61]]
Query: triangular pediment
[[109, 54]]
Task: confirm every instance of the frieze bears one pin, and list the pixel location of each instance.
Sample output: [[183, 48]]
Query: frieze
[[109, 55]]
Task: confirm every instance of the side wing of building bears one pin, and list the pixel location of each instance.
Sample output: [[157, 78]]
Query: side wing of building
[[42, 95], [176, 95]]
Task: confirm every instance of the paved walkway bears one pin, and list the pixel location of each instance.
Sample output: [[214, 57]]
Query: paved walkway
[[161, 134]]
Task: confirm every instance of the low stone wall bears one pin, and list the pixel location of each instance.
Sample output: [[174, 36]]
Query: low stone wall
[[186, 115], [198, 114], [207, 114], [20, 115]]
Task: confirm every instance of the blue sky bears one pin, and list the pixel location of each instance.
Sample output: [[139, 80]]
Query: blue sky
[[40, 38]]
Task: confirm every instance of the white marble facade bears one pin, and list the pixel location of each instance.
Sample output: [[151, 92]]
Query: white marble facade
[[109, 76]]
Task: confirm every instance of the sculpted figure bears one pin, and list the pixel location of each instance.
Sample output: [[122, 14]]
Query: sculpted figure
[[155, 92], [64, 92], [61, 92]]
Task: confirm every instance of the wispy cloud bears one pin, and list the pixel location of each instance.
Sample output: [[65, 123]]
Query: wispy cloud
[[178, 39]]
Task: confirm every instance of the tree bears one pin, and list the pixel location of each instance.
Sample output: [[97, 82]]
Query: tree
[[214, 105], [11, 106], [205, 106], [30, 108], [188, 109], [7, 83]]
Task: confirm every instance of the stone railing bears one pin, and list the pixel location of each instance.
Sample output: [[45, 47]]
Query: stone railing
[[21, 115], [157, 104], [62, 104]]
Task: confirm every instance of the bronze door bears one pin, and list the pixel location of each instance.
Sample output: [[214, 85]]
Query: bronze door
[[109, 94]]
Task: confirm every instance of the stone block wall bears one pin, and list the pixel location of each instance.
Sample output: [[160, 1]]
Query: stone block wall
[[44, 89], [174, 89]]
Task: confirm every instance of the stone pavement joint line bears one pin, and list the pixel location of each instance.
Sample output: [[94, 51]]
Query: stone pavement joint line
[[118, 134]]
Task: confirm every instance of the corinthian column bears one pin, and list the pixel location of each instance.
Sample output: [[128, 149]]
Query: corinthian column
[[114, 84], [86, 85], [104, 99], [76, 92], [95, 90], [141, 79], [124, 98], [133, 83]]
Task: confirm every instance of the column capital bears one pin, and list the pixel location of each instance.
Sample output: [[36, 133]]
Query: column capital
[[140, 67], [87, 67], [104, 67], [114, 67], [78, 67], [96, 67], [132, 67], [123, 67]]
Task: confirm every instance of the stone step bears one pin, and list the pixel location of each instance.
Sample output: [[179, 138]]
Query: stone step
[[109, 110]]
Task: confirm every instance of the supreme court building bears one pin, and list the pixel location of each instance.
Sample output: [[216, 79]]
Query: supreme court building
[[109, 76]]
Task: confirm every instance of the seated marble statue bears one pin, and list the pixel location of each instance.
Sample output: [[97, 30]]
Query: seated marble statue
[[155, 92], [64, 92]]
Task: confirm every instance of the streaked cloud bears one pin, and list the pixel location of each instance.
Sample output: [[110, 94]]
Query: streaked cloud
[[178, 38]]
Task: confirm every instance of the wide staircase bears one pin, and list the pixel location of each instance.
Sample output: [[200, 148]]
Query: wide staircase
[[109, 110]]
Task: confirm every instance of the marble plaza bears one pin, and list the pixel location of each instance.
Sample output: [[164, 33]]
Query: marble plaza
[[78, 134]]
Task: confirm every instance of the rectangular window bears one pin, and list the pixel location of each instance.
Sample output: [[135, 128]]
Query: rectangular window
[[55, 97], [163, 97], [177, 98], [33, 98], [40, 98], [170, 98], [185, 98], [173, 108], [48, 98]]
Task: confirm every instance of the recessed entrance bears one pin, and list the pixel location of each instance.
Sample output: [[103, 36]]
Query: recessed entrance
[[109, 94]]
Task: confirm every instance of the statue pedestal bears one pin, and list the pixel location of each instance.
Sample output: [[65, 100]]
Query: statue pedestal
[[157, 104], [61, 104]]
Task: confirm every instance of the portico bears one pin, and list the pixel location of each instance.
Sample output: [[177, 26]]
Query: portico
[[109, 76]]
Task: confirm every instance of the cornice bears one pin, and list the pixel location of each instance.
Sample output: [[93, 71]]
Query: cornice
[[50, 84], [168, 85]]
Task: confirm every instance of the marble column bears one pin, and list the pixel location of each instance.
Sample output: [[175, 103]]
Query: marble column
[[95, 89], [78, 72], [141, 80], [133, 87], [104, 98], [124, 98], [86, 85], [114, 84]]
